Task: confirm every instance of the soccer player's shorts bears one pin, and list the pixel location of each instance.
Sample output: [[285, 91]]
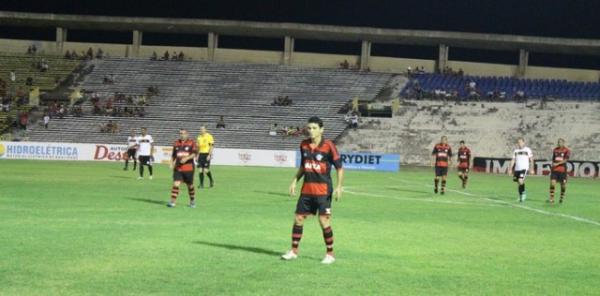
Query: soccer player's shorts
[[463, 170], [311, 205], [560, 177], [131, 152], [519, 175], [185, 177], [441, 171], [203, 161], [145, 160]]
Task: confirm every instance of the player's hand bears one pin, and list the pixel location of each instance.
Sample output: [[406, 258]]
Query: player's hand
[[338, 193], [292, 189], [208, 157]]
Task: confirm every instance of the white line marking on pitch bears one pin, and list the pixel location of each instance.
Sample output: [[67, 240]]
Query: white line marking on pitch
[[499, 201], [421, 200]]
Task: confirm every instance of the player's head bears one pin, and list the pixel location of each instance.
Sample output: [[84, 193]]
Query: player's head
[[462, 143], [314, 127], [561, 142], [144, 131], [203, 130], [183, 134], [444, 140], [521, 142]]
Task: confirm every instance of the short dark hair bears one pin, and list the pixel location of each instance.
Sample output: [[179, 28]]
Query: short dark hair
[[316, 120], [462, 141]]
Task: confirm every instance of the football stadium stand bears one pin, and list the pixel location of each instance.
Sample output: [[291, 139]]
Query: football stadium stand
[[193, 93], [490, 129], [531, 88]]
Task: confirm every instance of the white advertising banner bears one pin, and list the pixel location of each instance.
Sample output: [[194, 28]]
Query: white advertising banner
[[162, 154]]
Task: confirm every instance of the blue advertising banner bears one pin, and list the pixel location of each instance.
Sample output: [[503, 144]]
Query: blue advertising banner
[[367, 161]]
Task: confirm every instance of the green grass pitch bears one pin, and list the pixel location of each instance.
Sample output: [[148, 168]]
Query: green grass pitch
[[73, 228]]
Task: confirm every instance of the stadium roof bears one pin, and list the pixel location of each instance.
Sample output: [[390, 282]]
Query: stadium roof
[[304, 31]]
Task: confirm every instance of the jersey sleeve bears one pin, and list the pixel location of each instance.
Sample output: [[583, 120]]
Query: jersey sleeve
[[211, 140], [301, 157], [434, 150], [336, 159], [568, 154], [529, 153], [449, 152], [150, 140]]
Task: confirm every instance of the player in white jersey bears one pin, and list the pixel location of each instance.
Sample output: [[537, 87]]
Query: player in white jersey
[[521, 163], [131, 150], [145, 150]]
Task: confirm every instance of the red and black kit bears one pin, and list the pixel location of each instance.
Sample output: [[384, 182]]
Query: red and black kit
[[184, 171], [442, 153]]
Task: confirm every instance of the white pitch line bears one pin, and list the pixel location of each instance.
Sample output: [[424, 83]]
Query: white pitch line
[[499, 201], [420, 200]]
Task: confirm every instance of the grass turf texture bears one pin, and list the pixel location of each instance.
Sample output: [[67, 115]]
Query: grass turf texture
[[71, 228]]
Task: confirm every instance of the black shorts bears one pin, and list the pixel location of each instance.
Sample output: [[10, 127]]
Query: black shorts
[[559, 177], [311, 205], [203, 161], [441, 171], [185, 177], [145, 160], [519, 175], [131, 153], [463, 170]]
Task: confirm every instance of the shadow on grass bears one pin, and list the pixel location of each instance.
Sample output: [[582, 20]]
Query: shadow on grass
[[150, 201], [272, 193], [240, 248]]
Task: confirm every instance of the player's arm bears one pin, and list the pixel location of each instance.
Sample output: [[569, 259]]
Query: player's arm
[[433, 157], [449, 158], [173, 161], [531, 163], [211, 146], [339, 189], [297, 177], [337, 163]]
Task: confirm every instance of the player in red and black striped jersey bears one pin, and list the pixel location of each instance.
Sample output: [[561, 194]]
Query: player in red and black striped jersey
[[560, 156], [464, 163], [441, 157], [318, 156], [182, 163]]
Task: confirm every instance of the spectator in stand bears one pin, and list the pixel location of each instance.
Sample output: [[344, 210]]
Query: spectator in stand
[[180, 57], [166, 56], [13, 76], [23, 120], [99, 53], [345, 64], [29, 81], [61, 111], [461, 72], [90, 54], [46, 120], [273, 130], [154, 56], [519, 95], [221, 122], [354, 120]]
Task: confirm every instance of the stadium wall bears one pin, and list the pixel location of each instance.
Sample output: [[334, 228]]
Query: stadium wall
[[307, 59]]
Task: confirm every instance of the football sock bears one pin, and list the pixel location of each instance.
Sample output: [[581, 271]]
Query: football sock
[[328, 237], [209, 174], [201, 178], [443, 185], [174, 193], [521, 188], [436, 181], [141, 170], [150, 169], [127, 163], [552, 192], [465, 178], [563, 189], [296, 237], [192, 192]]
